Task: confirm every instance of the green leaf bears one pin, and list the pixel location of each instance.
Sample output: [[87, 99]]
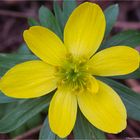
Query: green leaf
[[130, 98], [32, 22], [48, 20], [30, 124], [34, 121], [84, 130], [9, 60], [62, 15], [59, 14], [23, 49], [5, 99], [111, 14], [127, 38], [46, 133], [5, 107], [2, 110], [68, 7], [20, 130], [23, 112]]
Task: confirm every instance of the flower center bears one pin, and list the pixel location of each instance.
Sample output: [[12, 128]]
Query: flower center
[[73, 73]]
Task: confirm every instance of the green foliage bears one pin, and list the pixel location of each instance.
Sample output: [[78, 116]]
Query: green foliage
[[111, 14], [34, 121], [6, 107], [23, 49], [5, 99], [127, 38], [68, 7], [32, 22], [23, 112], [2, 110], [47, 19], [46, 133], [31, 123], [58, 14], [130, 98], [62, 14], [20, 130], [84, 130]]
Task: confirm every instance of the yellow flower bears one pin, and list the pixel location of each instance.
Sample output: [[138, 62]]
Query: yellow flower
[[70, 67]]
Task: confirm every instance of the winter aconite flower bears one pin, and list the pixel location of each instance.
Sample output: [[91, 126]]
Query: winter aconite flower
[[71, 67]]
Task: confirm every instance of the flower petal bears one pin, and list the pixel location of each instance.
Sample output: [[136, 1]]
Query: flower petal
[[118, 60], [45, 44], [84, 30], [62, 112], [104, 110], [92, 85], [28, 80]]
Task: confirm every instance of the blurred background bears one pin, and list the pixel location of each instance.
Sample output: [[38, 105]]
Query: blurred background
[[14, 14], [13, 21]]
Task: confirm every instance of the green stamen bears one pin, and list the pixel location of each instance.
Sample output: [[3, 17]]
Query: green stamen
[[73, 73]]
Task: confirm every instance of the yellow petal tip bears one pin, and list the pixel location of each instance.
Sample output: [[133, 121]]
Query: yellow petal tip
[[122, 127]]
